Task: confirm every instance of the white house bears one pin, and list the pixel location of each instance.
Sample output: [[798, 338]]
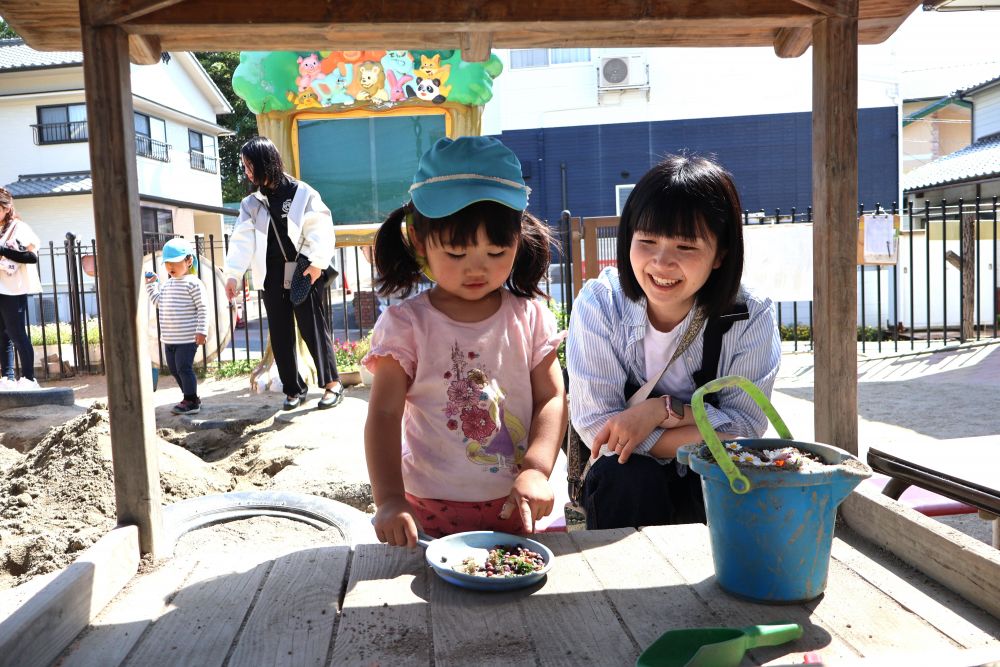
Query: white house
[[46, 165]]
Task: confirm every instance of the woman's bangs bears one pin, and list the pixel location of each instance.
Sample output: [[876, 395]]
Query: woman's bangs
[[676, 216]]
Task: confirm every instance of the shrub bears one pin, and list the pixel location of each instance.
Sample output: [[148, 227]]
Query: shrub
[[349, 353], [230, 369], [65, 335]]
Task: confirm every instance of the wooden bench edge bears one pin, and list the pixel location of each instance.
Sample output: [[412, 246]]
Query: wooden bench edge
[[37, 631], [961, 563]]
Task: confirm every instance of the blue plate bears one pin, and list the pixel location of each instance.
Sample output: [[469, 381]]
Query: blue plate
[[444, 553]]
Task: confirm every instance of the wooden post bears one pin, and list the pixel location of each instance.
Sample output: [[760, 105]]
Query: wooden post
[[119, 244], [967, 245], [835, 201]]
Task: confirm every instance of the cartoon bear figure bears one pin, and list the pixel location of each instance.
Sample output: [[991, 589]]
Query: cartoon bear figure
[[429, 90], [395, 86], [431, 68], [332, 89], [307, 99], [400, 65], [372, 82], [309, 71]]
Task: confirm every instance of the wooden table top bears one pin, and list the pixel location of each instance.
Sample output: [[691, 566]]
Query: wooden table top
[[608, 595]]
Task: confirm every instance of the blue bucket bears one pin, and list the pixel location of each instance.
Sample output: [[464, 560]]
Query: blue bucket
[[771, 530]]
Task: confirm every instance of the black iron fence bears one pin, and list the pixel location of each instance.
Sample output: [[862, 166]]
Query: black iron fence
[[943, 288]]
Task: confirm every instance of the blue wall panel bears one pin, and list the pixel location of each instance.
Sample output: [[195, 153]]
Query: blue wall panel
[[770, 157]]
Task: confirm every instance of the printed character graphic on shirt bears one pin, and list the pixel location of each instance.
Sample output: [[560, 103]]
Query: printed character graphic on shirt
[[476, 407]]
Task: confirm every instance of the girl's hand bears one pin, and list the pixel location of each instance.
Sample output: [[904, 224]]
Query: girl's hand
[[200, 339], [626, 430], [313, 273], [394, 523], [531, 496], [151, 277]]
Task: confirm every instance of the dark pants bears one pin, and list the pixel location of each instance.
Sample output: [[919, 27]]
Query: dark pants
[[640, 492], [14, 324], [314, 325], [180, 361]]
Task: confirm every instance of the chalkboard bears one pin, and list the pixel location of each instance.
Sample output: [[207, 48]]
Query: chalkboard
[[363, 166]]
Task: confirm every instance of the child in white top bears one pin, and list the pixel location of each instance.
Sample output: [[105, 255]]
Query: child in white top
[[468, 407], [18, 278], [183, 318]]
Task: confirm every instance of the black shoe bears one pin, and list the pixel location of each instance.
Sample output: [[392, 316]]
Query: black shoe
[[292, 402], [187, 407], [332, 397]]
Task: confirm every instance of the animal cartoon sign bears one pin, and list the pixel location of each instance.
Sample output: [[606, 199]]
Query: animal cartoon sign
[[286, 80]]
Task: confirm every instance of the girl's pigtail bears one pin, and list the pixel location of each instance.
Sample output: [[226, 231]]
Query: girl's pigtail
[[395, 264], [532, 260]]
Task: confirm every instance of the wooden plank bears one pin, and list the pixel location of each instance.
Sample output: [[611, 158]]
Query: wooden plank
[[43, 626], [963, 564], [117, 629], [688, 551], [649, 595], [967, 246], [590, 257], [293, 619], [835, 201], [204, 617], [475, 46], [964, 623], [121, 11], [385, 616], [575, 235], [792, 42], [118, 232]]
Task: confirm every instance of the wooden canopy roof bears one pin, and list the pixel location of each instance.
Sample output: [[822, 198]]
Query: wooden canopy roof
[[474, 25]]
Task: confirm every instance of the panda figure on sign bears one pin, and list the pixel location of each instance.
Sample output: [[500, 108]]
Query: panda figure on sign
[[429, 90]]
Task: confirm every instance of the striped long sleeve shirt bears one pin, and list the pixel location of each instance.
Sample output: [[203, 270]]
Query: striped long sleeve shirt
[[604, 351], [181, 302]]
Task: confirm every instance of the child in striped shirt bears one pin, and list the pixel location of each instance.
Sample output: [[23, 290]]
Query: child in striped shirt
[[183, 319]]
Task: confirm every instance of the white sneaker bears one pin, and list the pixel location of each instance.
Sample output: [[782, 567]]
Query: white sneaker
[[7, 385], [24, 384]]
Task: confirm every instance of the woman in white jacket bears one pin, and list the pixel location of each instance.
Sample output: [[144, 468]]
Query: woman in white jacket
[[281, 219], [18, 279]]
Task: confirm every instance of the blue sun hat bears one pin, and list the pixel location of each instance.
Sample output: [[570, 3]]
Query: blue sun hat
[[456, 173], [175, 250]]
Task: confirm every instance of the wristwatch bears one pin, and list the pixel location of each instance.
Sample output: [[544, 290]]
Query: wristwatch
[[674, 407]]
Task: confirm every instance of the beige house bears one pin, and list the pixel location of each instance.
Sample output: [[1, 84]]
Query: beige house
[[934, 127]]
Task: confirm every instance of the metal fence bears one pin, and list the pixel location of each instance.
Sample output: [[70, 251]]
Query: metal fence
[[943, 288], [65, 324]]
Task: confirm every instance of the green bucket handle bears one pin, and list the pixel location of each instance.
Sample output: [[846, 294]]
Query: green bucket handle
[[738, 482]]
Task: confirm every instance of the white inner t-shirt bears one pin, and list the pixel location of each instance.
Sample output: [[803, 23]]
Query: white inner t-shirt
[[657, 348]]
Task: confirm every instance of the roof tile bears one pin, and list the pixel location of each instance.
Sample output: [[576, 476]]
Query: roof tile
[[43, 185], [15, 55], [978, 160]]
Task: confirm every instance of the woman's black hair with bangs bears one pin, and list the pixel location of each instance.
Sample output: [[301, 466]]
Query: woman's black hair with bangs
[[265, 161], [397, 264], [687, 196]]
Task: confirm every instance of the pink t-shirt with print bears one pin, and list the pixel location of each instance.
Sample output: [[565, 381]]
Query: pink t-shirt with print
[[468, 407]]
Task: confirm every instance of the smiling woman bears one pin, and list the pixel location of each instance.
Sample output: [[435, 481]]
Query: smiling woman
[[671, 317]]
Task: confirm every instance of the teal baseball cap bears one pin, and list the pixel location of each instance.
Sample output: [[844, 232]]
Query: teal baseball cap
[[457, 172], [177, 249]]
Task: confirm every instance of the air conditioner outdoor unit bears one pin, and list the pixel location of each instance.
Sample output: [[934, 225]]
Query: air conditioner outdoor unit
[[622, 72]]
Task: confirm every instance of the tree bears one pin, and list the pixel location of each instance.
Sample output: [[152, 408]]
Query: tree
[[6, 32], [220, 66]]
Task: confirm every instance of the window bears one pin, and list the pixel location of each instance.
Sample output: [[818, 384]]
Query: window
[[157, 227], [621, 196], [61, 124], [202, 149], [522, 58], [151, 138]]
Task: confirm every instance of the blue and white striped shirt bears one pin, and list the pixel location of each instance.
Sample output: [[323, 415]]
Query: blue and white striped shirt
[[181, 302], [604, 351]]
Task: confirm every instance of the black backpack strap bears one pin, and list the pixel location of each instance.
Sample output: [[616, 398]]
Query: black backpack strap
[[715, 329]]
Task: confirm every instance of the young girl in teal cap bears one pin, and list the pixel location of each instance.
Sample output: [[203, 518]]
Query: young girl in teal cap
[[183, 318], [468, 407]]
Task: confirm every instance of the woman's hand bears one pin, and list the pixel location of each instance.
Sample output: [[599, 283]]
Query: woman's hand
[[394, 522], [313, 273], [531, 496], [626, 430], [231, 289]]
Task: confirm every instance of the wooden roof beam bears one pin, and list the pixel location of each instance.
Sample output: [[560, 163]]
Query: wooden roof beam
[[475, 46], [123, 11], [841, 8], [144, 49], [792, 42]]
